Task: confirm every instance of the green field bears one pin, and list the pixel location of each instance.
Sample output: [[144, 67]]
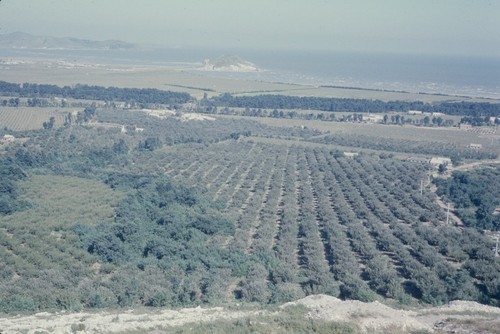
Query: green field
[[19, 119]]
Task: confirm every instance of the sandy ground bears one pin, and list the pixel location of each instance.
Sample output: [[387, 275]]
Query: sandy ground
[[376, 316], [115, 322], [370, 317]]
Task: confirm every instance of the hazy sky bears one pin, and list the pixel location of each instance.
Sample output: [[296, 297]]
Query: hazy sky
[[468, 27]]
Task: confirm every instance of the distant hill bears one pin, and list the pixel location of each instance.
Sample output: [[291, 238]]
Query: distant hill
[[229, 63], [21, 40]]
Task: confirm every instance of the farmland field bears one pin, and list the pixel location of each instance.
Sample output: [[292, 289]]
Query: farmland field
[[19, 119]]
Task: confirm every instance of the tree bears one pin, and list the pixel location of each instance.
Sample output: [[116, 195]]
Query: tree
[[255, 287], [120, 147], [68, 119], [442, 168], [151, 143], [50, 124]]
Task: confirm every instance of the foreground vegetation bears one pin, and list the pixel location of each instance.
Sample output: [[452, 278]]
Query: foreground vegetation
[[292, 320]]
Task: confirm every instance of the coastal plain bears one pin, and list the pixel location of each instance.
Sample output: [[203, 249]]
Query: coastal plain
[[188, 79]]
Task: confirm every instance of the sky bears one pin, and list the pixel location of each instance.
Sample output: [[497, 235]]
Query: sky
[[451, 27]]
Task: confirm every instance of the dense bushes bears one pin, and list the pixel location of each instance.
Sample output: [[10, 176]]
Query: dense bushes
[[475, 195], [10, 172], [160, 220]]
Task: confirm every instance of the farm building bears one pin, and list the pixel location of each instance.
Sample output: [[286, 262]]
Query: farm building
[[464, 126], [475, 146], [414, 112], [440, 161]]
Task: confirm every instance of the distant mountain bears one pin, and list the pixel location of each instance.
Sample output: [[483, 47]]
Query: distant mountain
[[229, 63], [21, 40]]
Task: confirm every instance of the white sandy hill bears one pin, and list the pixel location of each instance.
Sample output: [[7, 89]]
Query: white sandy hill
[[229, 63]]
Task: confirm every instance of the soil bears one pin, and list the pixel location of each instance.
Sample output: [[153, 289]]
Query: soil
[[375, 317]]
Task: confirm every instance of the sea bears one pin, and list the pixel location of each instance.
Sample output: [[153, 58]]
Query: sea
[[434, 74]]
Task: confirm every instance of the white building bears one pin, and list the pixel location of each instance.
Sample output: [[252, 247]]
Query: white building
[[440, 161]]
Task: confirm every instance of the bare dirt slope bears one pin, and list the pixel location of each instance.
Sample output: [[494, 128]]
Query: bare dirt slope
[[375, 317]]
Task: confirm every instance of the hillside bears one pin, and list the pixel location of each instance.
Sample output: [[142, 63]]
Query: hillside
[[21, 40], [319, 313]]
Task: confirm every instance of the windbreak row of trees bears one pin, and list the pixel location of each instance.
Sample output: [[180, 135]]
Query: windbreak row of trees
[[353, 105], [86, 92], [156, 96]]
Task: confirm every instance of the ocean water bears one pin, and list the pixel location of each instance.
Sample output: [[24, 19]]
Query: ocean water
[[454, 75], [414, 73]]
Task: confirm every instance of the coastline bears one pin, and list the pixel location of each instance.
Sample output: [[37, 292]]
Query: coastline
[[186, 77]]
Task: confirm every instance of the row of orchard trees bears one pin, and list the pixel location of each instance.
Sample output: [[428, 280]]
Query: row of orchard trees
[[357, 228]]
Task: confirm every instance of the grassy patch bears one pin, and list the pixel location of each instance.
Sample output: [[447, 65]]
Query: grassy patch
[[40, 237], [280, 323], [61, 201]]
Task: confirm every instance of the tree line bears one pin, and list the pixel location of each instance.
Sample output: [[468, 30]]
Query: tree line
[[156, 96], [474, 109], [86, 92]]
